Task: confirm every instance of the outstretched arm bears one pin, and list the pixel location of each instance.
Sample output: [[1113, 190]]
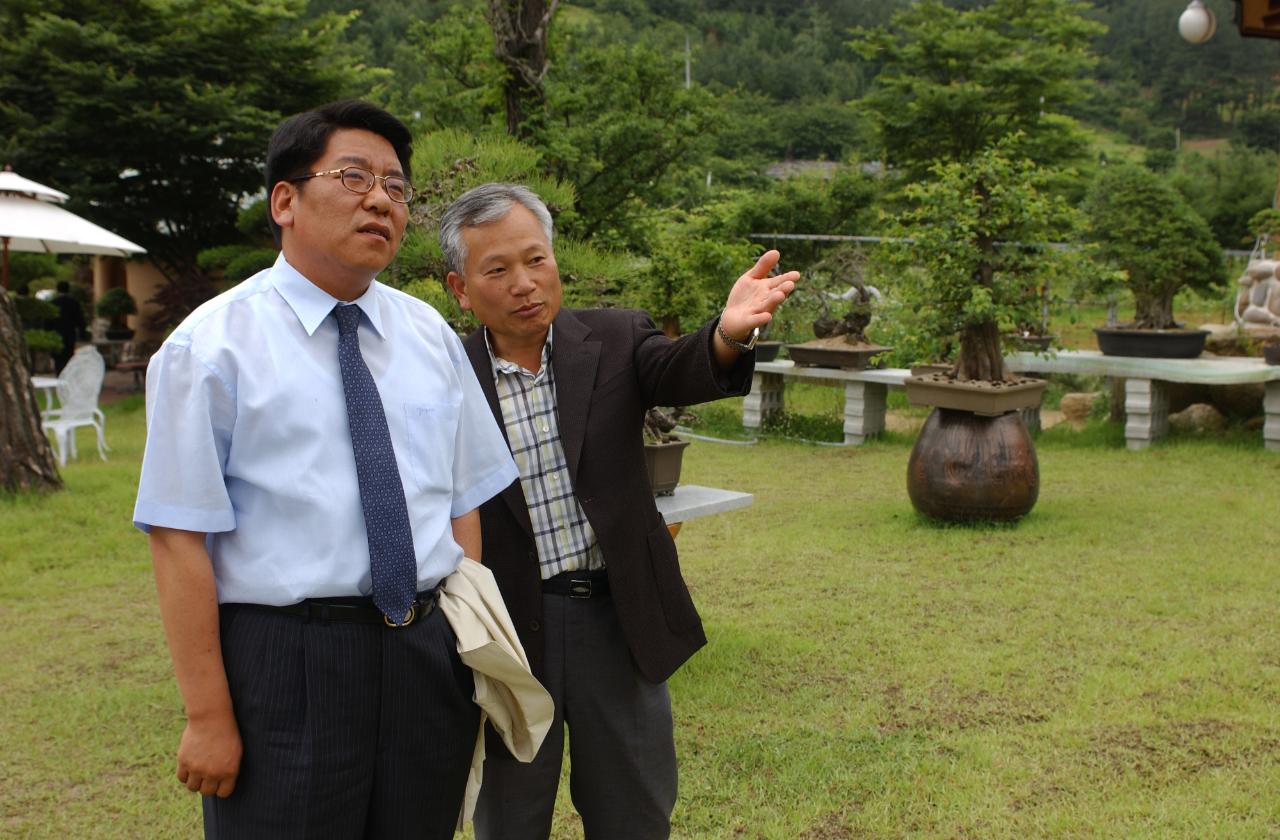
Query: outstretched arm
[[751, 304]]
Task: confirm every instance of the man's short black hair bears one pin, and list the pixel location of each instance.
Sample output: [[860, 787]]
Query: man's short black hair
[[63, 287], [300, 141]]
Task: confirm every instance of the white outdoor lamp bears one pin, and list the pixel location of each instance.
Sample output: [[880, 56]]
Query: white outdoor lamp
[[1197, 23]]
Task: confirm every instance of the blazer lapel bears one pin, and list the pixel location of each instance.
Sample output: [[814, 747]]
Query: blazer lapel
[[478, 353], [574, 359]]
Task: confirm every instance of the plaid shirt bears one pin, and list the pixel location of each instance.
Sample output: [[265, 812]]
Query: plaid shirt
[[561, 532]]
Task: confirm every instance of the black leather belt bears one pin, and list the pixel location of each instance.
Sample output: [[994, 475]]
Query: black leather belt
[[359, 610], [592, 584]]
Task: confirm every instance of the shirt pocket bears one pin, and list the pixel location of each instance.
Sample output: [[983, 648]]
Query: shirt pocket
[[432, 429]]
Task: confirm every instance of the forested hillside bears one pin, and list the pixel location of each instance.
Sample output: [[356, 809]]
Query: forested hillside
[[1149, 81], [660, 128]]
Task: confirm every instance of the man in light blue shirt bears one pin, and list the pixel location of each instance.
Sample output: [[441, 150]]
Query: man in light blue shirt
[[314, 708]]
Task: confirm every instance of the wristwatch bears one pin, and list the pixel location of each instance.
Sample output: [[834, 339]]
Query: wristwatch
[[741, 347]]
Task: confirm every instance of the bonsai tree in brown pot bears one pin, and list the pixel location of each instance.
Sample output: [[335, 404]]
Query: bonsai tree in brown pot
[[965, 252], [663, 451], [836, 290], [1154, 244]]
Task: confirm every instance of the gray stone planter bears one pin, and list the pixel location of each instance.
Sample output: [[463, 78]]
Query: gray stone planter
[[986, 399]]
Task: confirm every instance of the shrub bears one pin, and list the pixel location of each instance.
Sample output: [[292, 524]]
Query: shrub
[[43, 341], [116, 303], [33, 312]]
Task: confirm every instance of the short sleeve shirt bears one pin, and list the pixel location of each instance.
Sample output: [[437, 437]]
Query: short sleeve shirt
[[248, 440]]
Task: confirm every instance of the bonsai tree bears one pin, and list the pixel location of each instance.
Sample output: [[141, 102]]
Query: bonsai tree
[[1152, 238], [975, 235], [114, 305], [658, 426], [845, 301]]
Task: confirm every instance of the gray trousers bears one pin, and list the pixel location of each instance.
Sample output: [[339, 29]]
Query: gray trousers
[[621, 745]]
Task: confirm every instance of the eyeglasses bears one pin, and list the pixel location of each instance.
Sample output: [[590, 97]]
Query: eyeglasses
[[359, 180]]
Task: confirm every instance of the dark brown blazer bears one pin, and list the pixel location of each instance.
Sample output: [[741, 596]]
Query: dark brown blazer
[[610, 365]]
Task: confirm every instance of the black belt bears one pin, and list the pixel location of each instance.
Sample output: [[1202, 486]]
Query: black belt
[[357, 609], [583, 584]]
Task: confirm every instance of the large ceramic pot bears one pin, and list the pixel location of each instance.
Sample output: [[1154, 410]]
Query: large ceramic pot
[[1151, 344], [970, 468]]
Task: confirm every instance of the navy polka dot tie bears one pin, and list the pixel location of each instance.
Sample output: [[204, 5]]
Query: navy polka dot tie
[[386, 516]]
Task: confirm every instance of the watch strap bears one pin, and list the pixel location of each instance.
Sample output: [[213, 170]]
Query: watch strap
[[740, 346]]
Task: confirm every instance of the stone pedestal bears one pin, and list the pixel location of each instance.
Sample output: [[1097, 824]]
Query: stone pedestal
[[1146, 409], [1271, 404], [1031, 419], [864, 404], [765, 399]]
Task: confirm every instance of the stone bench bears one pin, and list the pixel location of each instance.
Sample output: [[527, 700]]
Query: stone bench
[[1146, 399], [865, 393]]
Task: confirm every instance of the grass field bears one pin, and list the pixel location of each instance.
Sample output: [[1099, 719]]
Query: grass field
[[1109, 667]]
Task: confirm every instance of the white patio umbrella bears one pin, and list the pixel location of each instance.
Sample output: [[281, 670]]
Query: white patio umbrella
[[31, 220]]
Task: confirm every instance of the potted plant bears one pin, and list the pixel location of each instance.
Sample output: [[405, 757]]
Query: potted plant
[[663, 451], [1154, 244], [970, 254], [844, 304], [114, 305]]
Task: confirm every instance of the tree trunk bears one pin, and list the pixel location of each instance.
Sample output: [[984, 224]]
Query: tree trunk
[[26, 459], [1153, 312], [671, 326], [520, 43], [980, 356]]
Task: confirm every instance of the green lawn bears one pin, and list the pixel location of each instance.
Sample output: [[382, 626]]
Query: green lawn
[[1109, 667]]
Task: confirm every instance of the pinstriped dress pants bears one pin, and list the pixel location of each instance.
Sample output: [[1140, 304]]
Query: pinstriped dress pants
[[350, 730]]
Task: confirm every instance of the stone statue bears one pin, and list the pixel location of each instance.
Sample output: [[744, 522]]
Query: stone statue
[[1258, 301]]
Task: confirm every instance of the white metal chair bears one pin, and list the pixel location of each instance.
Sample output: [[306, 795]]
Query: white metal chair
[[80, 383]]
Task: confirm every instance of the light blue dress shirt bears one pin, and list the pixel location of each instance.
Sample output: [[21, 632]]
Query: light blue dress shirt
[[247, 437]]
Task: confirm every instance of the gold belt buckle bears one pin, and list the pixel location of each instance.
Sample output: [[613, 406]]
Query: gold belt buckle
[[408, 617]]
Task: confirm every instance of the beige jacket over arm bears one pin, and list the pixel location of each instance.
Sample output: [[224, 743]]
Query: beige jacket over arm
[[507, 693]]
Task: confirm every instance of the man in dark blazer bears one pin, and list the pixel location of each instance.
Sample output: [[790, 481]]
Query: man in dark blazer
[[581, 554]]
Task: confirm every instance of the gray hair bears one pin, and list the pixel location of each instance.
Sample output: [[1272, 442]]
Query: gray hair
[[481, 205]]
